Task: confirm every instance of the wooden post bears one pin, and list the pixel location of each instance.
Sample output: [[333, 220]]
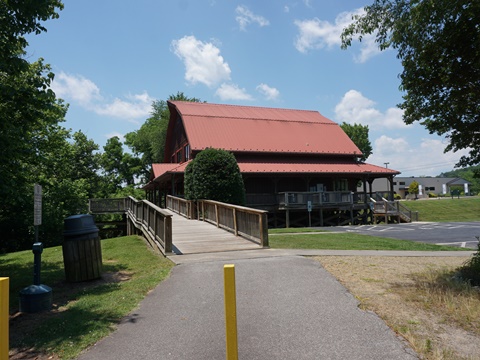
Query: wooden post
[[230, 312], [4, 312], [235, 227], [264, 229], [168, 234], [216, 215]]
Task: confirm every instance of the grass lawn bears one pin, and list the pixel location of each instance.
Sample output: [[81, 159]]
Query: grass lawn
[[295, 230], [349, 241], [82, 312], [446, 209]]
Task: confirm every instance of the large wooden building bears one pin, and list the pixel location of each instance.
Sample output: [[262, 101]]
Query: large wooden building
[[295, 163]]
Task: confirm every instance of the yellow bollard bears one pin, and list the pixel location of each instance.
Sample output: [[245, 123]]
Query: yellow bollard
[[4, 314], [230, 312]]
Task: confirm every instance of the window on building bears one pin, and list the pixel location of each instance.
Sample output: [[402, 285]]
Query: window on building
[[341, 185], [394, 183], [186, 150], [179, 156], [402, 182]]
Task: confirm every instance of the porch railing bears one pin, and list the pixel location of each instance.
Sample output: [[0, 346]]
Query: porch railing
[[296, 199], [395, 208], [246, 222], [154, 223]]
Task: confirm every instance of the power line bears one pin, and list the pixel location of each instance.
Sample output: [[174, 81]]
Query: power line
[[432, 165]]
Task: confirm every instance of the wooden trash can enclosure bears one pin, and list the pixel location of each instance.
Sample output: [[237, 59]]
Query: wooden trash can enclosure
[[82, 253]]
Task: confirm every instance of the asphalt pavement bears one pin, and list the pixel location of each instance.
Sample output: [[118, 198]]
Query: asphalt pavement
[[462, 234], [288, 307]]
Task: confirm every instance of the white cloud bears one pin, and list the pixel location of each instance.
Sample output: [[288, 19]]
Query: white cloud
[[356, 108], [136, 106], [117, 134], [414, 159], [307, 3], [318, 34], [76, 88], [203, 62], [270, 93], [84, 92], [286, 9], [387, 146], [232, 92], [245, 17]]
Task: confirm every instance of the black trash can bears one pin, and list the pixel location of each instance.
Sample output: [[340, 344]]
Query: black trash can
[[82, 253]]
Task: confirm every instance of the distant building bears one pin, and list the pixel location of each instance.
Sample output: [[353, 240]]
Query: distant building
[[435, 185]]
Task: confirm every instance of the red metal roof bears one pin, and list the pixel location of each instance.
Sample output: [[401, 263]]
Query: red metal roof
[[163, 168], [256, 129], [314, 168], [302, 167]]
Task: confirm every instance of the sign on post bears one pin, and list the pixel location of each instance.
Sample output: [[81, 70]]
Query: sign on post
[[37, 205]]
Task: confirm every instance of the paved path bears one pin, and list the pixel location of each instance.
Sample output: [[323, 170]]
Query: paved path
[[288, 308], [263, 253]]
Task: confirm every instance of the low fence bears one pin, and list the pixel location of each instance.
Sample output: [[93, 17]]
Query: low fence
[[106, 206], [154, 223], [246, 222]]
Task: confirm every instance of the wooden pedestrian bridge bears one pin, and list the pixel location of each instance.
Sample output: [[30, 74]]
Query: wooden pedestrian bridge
[[205, 226], [189, 227]]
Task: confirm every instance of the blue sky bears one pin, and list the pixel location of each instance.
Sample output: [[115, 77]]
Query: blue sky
[[112, 58]]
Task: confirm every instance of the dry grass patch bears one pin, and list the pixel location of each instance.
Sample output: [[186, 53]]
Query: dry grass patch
[[419, 298]]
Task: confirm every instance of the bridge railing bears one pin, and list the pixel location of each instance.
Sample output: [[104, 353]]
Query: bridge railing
[[186, 208], [152, 221], [249, 223]]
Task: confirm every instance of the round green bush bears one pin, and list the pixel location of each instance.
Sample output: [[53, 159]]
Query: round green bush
[[214, 175]]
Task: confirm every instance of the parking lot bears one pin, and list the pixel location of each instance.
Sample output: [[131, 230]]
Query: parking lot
[[452, 233]]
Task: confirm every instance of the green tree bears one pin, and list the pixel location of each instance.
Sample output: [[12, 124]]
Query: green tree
[[214, 175], [148, 142], [413, 188], [438, 43], [119, 168], [359, 135], [29, 116]]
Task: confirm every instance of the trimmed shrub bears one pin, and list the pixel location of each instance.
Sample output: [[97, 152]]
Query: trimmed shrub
[[214, 175], [432, 195], [397, 197]]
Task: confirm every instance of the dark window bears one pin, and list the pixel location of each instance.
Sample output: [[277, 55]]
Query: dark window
[[402, 182], [186, 150], [179, 156], [394, 183]]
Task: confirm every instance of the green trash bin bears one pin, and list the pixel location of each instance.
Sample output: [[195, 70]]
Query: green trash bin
[[82, 253]]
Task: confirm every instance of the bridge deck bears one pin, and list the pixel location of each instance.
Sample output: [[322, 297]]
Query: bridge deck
[[194, 237]]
